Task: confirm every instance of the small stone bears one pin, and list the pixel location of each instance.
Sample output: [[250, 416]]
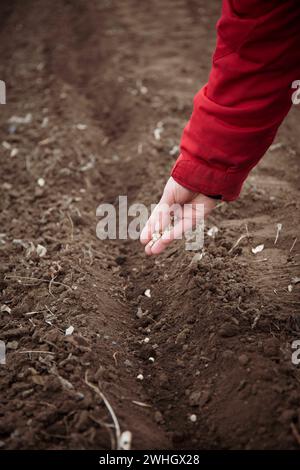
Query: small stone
[[194, 399], [227, 330], [227, 354], [163, 379], [159, 419], [140, 377], [140, 314], [271, 347], [182, 336], [120, 260], [243, 359], [193, 418], [205, 397], [128, 363], [12, 345]]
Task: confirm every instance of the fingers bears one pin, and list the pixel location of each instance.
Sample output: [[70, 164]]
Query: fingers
[[156, 224], [148, 230], [174, 233], [146, 234], [155, 237]]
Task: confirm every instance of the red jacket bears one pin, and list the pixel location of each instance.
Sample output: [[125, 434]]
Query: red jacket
[[237, 113]]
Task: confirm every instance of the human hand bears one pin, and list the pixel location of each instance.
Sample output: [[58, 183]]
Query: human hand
[[159, 232]]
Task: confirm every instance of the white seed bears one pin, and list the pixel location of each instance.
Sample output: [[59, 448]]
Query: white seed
[[147, 293], [69, 330], [196, 258], [193, 418], [151, 359], [5, 308], [258, 249], [125, 440], [174, 150], [290, 287], [81, 127], [20, 119], [45, 122], [212, 231], [6, 145], [41, 182], [146, 340], [14, 152], [41, 250], [276, 146], [156, 236], [140, 377]]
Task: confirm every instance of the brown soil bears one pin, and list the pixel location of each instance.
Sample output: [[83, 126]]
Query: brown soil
[[220, 330]]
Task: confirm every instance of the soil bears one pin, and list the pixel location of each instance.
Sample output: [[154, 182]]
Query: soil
[[94, 79]]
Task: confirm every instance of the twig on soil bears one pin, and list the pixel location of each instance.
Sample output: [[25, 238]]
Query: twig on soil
[[140, 403], [72, 227], [115, 358], [50, 285], [109, 407], [294, 243], [279, 227], [38, 280], [28, 314], [295, 433], [255, 321], [237, 242], [36, 351], [108, 427]]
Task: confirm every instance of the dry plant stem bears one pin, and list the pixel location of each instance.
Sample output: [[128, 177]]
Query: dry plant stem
[[109, 407], [38, 280], [115, 357], [247, 231], [72, 227], [237, 242], [294, 243], [39, 352], [108, 427], [296, 433], [50, 284], [143, 405], [279, 227]]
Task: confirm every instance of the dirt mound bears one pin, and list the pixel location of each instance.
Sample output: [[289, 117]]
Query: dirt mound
[[90, 81]]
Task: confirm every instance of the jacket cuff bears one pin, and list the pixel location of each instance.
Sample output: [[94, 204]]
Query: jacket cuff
[[200, 177]]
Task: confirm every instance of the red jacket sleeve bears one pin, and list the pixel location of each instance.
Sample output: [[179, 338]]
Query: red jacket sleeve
[[237, 113]]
